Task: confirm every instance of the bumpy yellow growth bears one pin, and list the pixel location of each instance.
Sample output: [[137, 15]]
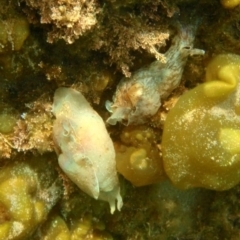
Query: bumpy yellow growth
[[85, 229], [13, 34], [26, 197], [7, 122], [57, 229], [230, 3], [80, 229], [201, 138], [24, 212], [138, 159]]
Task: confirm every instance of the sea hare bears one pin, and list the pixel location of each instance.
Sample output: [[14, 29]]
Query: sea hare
[[201, 137], [138, 98], [87, 154]]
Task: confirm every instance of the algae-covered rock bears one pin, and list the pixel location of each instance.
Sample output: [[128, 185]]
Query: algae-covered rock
[[123, 36], [85, 228], [54, 228], [7, 121], [79, 229], [13, 34], [28, 191]]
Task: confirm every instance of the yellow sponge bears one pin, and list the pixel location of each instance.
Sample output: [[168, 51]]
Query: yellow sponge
[[201, 137], [230, 3]]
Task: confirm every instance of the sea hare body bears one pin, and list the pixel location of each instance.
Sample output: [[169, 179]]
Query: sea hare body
[[138, 98], [201, 137], [87, 154]]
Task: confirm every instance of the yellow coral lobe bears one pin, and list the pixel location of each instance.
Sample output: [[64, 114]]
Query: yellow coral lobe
[[230, 3], [85, 228], [20, 33], [13, 34], [222, 75], [4, 230], [138, 160], [9, 190], [7, 123], [40, 211], [56, 229], [201, 138], [137, 156], [230, 140], [24, 201], [81, 229]]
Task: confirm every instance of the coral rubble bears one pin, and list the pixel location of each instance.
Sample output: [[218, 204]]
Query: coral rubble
[[69, 18]]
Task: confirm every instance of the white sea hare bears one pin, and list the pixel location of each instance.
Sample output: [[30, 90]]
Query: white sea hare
[[86, 152]]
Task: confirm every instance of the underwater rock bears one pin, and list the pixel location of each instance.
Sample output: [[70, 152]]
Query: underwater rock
[[69, 19], [140, 97], [28, 191], [13, 34], [180, 211], [7, 120], [201, 137], [87, 154]]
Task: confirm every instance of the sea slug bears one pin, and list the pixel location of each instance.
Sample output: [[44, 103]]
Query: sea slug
[[140, 97], [86, 152]]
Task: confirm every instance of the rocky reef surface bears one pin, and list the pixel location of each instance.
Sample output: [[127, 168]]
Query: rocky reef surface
[[93, 46]]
